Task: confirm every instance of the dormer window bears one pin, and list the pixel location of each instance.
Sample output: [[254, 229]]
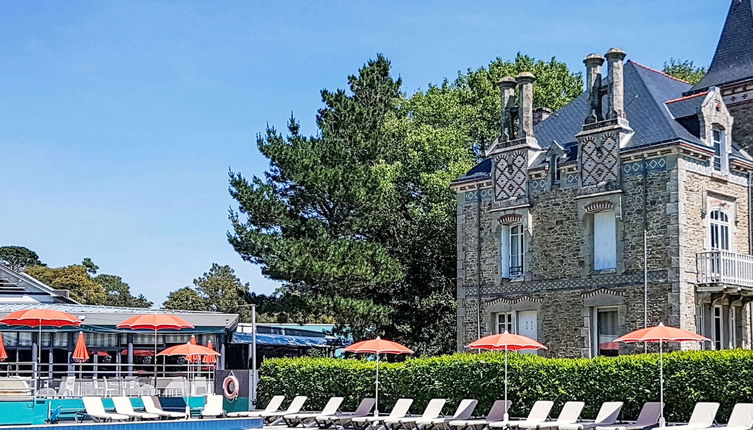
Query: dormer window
[[554, 166], [719, 136]]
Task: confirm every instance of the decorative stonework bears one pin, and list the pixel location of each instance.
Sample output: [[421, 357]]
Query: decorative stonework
[[513, 300], [605, 291], [510, 175], [600, 206], [599, 158], [510, 219]]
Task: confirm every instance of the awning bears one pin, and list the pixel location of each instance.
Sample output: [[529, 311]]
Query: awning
[[284, 340]]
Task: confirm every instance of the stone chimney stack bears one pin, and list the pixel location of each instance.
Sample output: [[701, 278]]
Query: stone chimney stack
[[615, 58], [540, 114], [593, 64], [507, 91], [526, 80]]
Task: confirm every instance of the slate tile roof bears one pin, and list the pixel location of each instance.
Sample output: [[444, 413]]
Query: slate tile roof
[[655, 103], [733, 60]]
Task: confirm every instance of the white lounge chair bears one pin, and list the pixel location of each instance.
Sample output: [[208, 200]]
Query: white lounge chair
[[364, 409], [331, 408], [702, 417], [538, 414], [96, 411], [496, 413], [213, 406], [399, 410], [741, 418], [433, 410], [123, 406], [569, 415], [463, 412], [273, 406], [647, 418], [150, 406], [294, 407], [608, 415]]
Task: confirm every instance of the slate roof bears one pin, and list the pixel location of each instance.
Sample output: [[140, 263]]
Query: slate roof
[[653, 120], [733, 60]]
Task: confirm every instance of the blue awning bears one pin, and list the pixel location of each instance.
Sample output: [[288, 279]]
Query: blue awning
[[284, 340]]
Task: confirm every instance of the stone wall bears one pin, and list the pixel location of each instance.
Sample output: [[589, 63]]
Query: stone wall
[[742, 132]]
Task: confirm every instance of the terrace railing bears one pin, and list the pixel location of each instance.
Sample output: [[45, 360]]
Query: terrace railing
[[724, 267]]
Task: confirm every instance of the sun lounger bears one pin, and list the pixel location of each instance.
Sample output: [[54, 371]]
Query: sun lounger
[[538, 414], [741, 418], [608, 415], [702, 417], [276, 417], [433, 410], [123, 406], [569, 414], [342, 419], [151, 405], [463, 412], [648, 418], [273, 406], [213, 406], [496, 413], [96, 411], [399, 410], [331, 408]]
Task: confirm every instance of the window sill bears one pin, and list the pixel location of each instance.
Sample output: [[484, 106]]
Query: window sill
[[604, 271]]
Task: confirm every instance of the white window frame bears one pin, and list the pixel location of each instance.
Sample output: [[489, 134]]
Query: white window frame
[[720, 230], [717, 336], [595, 350], [604, 258], [731, 343], [509, 323], [719, 143], [510, 234]]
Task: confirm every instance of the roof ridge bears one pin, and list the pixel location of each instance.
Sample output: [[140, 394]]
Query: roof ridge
[[659, 72], [679, 99]]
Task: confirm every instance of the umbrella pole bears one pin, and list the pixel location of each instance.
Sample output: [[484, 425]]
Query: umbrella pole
[[506, 415], [154, 371], [376, 397], [662, 421]]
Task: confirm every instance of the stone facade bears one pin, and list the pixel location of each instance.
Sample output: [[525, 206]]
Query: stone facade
[[692, 199]]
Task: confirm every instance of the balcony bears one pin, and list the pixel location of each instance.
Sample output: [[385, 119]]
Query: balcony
[[724, 269]]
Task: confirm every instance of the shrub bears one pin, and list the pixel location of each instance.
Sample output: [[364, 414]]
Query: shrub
[[690, 377]]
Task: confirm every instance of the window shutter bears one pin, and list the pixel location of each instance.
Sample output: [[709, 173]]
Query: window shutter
[[605, 241]]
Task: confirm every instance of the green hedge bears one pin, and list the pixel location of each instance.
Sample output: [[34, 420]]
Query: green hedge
[[690, 377]]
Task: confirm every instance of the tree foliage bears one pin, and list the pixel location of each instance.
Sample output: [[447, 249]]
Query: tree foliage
[[218, 290], [685, 70], [74, 278], [18, 258], [118, 293], [360, 218]]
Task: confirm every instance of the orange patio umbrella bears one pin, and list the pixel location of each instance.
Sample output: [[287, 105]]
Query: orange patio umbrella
[[210, 359], [80, 354], [3, 354], [378, 346], [189, 349], [155, 322], [508, 342], [193, 358], [661, 334]]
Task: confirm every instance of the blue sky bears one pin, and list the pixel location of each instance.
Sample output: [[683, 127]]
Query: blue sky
[[119, 120]]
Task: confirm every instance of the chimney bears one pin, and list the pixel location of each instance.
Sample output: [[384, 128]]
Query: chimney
[[615, 57], [593, 64], [526, 80], [507, 91], [540, 114]]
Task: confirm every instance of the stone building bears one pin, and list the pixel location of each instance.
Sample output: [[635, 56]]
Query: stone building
[[629, 206]]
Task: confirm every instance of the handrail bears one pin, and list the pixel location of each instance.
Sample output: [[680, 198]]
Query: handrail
[[724, 267]]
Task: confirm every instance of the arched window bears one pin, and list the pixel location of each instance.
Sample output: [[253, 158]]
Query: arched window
[[719, 140], [719, 230]]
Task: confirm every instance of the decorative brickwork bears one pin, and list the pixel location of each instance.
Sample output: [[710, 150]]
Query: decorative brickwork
[[510, 175]]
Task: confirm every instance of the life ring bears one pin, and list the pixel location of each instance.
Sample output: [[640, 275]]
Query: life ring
[[230, 387]]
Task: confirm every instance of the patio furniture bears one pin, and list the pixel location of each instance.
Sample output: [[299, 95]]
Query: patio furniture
[[212, 406], [702, 417], [152, 406], [463, 412], [741, 418], [608, 415], [537, 415], [399, 410], [342, 419], [647, 418], [568, 415], [295, 406], [273, 406], [96, 411], [496, 413], [123, 406], [433, 410], [331, 408]]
